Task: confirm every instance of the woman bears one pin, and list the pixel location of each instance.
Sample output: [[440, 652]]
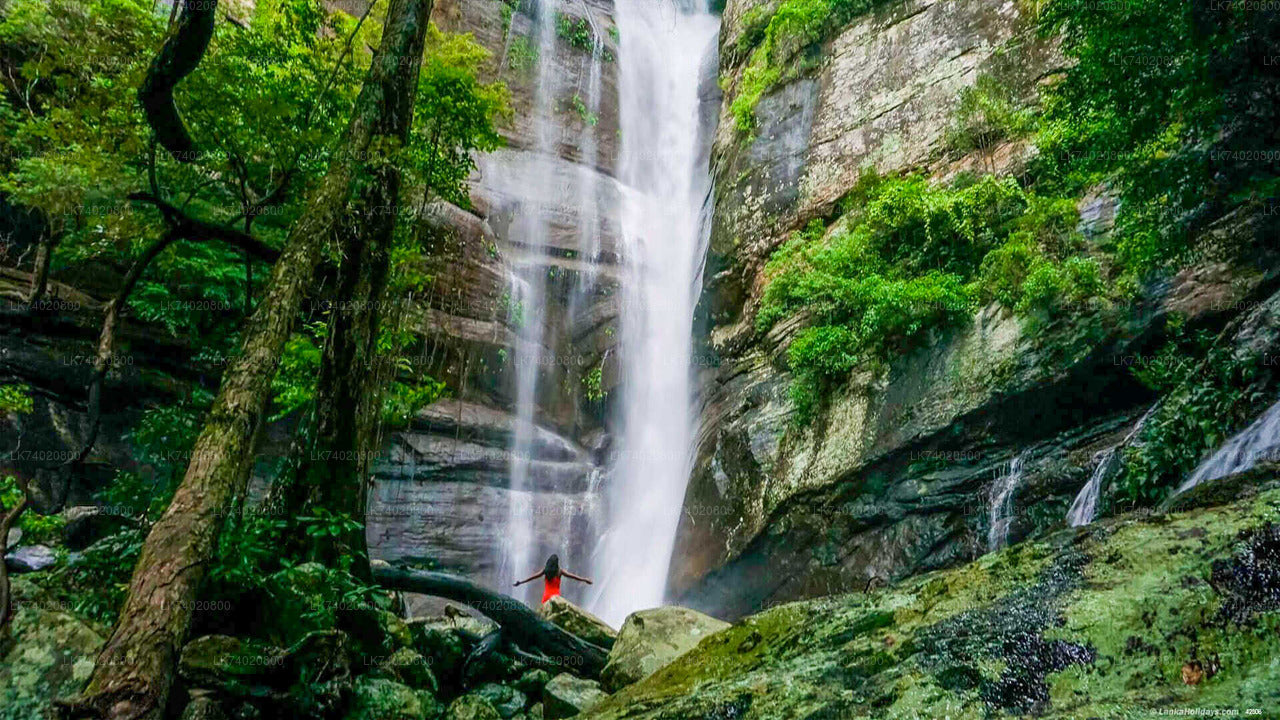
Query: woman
[[552, 572]]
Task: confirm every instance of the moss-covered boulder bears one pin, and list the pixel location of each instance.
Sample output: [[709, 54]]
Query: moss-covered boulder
[[472, 707], [507, 700], [382, 699], [1127, 618], [234, 665], [409, 667], [650, 639], [579, 622], [567, 696], [50, 654]]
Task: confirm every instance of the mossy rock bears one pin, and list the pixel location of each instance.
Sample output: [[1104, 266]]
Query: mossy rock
[[532, 682], [381, 699], [50, 655], [574, 619], [407, 666], [472, 707], [507, 700], [1131, 617], [233, 665], [650, 639], [566, 696]]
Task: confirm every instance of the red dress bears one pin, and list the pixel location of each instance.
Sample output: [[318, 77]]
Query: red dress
[[551, 588]]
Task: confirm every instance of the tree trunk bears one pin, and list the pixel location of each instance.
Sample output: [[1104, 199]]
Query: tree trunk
[[352, 376], [519, 623], [134, 671], [40, 273]]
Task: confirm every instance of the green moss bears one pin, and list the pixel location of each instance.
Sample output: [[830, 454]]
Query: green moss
[[1083, 624]]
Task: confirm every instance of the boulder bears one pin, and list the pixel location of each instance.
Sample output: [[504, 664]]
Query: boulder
[[407, 666], [15, 537], [51, 653], [567, 695], [472, 707], [381, 699], [87, 524], [579, 622], [236, 666], [532, 682], [650, 639], [505, 699], [203, 706], [30, 558]]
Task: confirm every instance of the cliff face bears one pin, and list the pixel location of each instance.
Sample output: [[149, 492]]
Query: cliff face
[[896, 476]]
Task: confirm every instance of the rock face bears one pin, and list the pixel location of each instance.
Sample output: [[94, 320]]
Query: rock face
[[1130, 616], [567, 696], [650, 639], [579, 622], [895, 476]]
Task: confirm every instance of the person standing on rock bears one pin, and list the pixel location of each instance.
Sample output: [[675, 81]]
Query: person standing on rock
[[552, 572]]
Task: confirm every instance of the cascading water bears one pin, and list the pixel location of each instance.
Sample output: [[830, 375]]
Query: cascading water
[[1085, 507], [528, 292], [1256, 443], [1000, 512], [663, 166]]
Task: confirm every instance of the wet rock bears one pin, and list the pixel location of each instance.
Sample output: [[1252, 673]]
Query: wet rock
[[31, 558], [505, 699], [579, 622], [566, 696], [472, 707], [1249, 581], [381, 699], [650, 639]]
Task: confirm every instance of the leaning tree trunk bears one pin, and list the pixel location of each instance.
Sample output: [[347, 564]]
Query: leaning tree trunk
[[349, 390], [134, 671]]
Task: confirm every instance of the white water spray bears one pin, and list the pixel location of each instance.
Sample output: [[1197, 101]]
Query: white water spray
[[1000, 513], [1257, 443], [664, 168]]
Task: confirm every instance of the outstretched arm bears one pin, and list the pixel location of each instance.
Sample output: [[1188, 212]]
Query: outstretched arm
[[534, 576], [568, 574]]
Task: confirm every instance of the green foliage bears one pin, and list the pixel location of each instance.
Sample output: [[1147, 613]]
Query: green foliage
[[95, 581], [575, 31], [593, 384], [1162, 102], [988, 114], [522, 55], [588, 118], [778, 39], [455, 115], [15, 400], [909, 257], [36, 528], [1208, 394]]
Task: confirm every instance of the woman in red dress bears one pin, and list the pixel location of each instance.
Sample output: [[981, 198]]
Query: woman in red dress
[[552, 572]]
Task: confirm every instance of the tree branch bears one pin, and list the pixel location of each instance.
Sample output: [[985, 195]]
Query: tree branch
[[178, 57]]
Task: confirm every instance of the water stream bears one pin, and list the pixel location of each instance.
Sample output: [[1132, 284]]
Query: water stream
[[1000, 511], [1256, 443], [663, 167]]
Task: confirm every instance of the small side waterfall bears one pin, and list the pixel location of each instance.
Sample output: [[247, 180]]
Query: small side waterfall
[[663, 165], [1000, 513], [1085, 506], [1257, 443]]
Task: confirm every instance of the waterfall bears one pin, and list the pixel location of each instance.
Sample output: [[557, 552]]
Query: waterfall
[[527, 304], [1256, 443], [1085, 506], [663, 166], [1000, 513]]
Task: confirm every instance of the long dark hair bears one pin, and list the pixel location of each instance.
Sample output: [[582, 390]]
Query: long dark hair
[[552, 569]]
